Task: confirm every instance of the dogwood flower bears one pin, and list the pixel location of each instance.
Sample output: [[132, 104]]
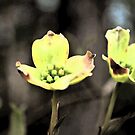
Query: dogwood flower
[[121, 55], [53, 69]]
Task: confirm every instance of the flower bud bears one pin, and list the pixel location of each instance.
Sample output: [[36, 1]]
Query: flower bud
[[50, 67], [49, 79], [56, 77], [61, 72], [54, 72]]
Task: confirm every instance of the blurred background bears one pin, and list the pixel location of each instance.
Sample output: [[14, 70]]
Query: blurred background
[[84, 23]]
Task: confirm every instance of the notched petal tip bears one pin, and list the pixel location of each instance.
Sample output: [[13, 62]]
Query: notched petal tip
[[18, 64], [118, 28], [24, 74], [50, 33], [90, 55], [117, 69], [20, 70], [89, 59], [94, 55]]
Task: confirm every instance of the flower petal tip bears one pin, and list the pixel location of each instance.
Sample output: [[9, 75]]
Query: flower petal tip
[[104, 57], [18, 64], [62, 35], [21, 70], [50, 33], [89, 59], [90, 55], [90, 74], [118, 28]]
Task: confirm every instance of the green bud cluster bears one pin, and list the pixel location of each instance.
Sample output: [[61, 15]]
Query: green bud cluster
[[53, 74]]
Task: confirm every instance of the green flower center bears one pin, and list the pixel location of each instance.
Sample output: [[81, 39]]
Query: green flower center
[[53, 74]]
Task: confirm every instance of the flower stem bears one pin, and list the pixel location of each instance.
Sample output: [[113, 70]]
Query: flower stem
[[110, 109], [54, 115]]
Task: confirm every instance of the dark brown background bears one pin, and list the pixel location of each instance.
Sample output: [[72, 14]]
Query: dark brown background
[[84, 23]]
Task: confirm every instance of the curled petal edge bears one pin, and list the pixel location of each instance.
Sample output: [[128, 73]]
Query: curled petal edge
[[117, 72], [81, 66]]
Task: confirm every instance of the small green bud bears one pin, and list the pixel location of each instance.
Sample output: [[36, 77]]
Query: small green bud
[[54, 72], [43, 77], [49, 79], [45, 81], [50, 67], [61, 72], [56, 77]]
